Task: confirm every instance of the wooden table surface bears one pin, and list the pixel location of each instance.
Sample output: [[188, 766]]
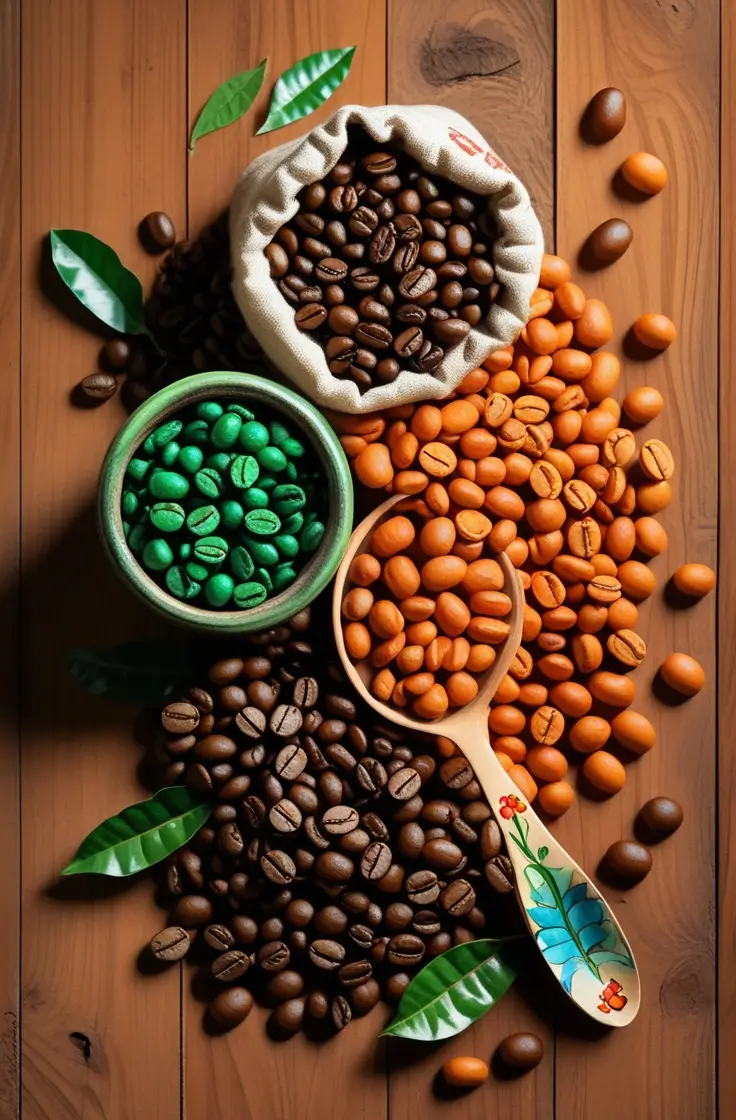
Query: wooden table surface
[[96, 102]]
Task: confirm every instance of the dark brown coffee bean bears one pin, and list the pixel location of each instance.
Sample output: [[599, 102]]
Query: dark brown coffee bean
[[423, 887], [226, 671], [343, 199], [376, 861], [373, 914], [439, 943], [158, 230], [192, 910], [116, 355], [229, 839], [408, 227], [180, 717], [311, 294], [363, 221], [219, 937], [371, 774], [373, 335], [310, 316], [287, 984], [418, 282], [610, 240], [263, 695], [278, 867], [362, 936], [340, 1012], [99, 387], [313, 196], [216, 748], [331, 921], [171, 944], [439, 812], [340, 756], [379, 163], [353, 252], [433, 252], [288, 238], [273, 956], [326, 954], [290, 762], [433, 229], [436, 834], [458, 897], [285, 816], [198, 778], [661, 815], [334, 867], [355, 901], [315, 833], [340, 819], [244, 929], [411, 840], [405, 257], [315, 248], [395, 986], [230, 966], [408, 342], [471, 314], [500, 874], [286, 720], [310, 223], [410, 810], [628, 860], [303, 265], [426, 923], [490, 840], [181, 745], [331, 270], [411, 313], [231, 1007], [398, 916], [456, 772], [451, 270], [451, 331], [464, 832], [271, 787], [522, 1051], [382, 245], [373, 311], [254, 812], [374, 826], [342, 172], [387, 183], [387, 370], [251, 722], [442, 854], [404, 784], [459, 240], [405, 949]]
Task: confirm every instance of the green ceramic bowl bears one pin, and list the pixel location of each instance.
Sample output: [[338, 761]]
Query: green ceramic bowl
[[301, 416]]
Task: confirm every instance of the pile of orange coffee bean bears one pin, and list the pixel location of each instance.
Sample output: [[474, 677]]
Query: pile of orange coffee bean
[[535, 445], [427, 609]]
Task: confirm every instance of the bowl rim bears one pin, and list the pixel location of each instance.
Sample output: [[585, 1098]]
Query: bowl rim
[[317, 572]]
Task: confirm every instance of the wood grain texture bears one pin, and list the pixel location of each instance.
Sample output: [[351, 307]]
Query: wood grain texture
[[245, 1073], [665, 57], [10, 351], [226, 36], [103, 143], [492, 62], [726, 776]]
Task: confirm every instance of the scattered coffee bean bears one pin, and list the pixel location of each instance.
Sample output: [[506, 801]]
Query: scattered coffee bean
[[522, 1051], [99, 386], [171, 944], [159, 229], [661, 815], [628, 860]]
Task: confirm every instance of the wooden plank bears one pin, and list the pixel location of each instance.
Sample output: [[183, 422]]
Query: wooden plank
[[726, 775], [495, 64], [244, 1073], [666, 59], [10, 220], [103, 103]]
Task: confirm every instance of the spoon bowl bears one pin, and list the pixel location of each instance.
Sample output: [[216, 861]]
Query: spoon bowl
[[571, 923]]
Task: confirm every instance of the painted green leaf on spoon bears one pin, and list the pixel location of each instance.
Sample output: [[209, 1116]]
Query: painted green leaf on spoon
[[228, 103], [305, 86], [95, 274], [457, 988], [142, 834]]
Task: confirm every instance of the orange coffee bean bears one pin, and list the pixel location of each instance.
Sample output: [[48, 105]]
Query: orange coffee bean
[[548, 589], [603, 377], [653, 497], [562, 461], [645, 172], [436, 652], [433, 704], [465, 1072], [458, 416], [357, 603], [643, 404], [472, 525], [620, 539], [437, 499], [570, 299], [656, 460], [523, 780], [597, 426], [477, 443], [384, 653], [592, 617], [491, 631], [540, 335], [633, 731], [357, 640], [383, 685], [426, 423], [353, 445], [555, 271], [392, 536], [503, 502], [492, 603], [457, 656], [421, 633], [364, 570], [683, 673], [556, 666], [452, 615], [547, 763], [571, 365], [483, 575], [373, 466], [593, 327], [466, 494], [480, 658], [694, 580], [604, 772], [437, 460], [443, 572], [559, 618], [532, 694], [461, 689], [507, 691], [410, 659], [505, 719], [418, 683], [571, 698], [587, 652], [556, 798], [499, 360], [404, 450], [517, 552], [547, 725], [637, 581], [401, 576], [473, 382], [467, 550], [437, 537], [604, 588], [589, 734], [622, 615], [613, 689], [417, 608], [409, 482], [650, 537], [385, 619], [655, 331]]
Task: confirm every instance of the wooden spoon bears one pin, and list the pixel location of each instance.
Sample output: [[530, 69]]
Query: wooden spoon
[[571, 923]]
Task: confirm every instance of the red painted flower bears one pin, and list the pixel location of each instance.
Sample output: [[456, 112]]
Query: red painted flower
[[510, 805]]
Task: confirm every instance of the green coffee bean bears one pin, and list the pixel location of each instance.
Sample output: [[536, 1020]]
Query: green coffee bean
[[220, 462], [197, 432], [292, 447], [262, 522], [293, 524], [168, 517], [185, 550], [244, 471], [267, 483], [271, 459], [241, 563], [263, 552], [149, 447], [283, 576], [168, 486], [248, 595], [232, 514], [170, 454], [190, 459], [218, 590], [211, 550], [253, 436], [166, 432], [226, 430], [312, 535], [137, 537], [203, 521], [130, 503], [126, 529], [264, 576], [255, 498], [288, 498], [287, 545], [209, 410], [180, 583], [198, 571], [240, 410], [209, 482], [278, 433], [137, 468], [291, 472], [157, 555]]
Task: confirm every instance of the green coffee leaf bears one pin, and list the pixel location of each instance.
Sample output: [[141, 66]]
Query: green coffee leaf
[[142, 834], [94, 273], [143, 673], [228, 103], [305, 86], [457, 988]]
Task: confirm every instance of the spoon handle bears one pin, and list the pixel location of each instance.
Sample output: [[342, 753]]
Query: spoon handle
[[571, 923]]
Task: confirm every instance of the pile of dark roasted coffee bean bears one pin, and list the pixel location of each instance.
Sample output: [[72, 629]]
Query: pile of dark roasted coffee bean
[[339, 858], [386, 265]]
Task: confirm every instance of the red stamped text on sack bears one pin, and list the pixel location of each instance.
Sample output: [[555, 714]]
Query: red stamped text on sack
[[472, 149]]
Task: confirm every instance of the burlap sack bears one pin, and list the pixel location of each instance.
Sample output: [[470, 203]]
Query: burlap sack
[[442, 141]]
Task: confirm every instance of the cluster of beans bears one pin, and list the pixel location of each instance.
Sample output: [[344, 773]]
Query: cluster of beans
[[414, 622], [221, 507], [536, 442], [338, 858]]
